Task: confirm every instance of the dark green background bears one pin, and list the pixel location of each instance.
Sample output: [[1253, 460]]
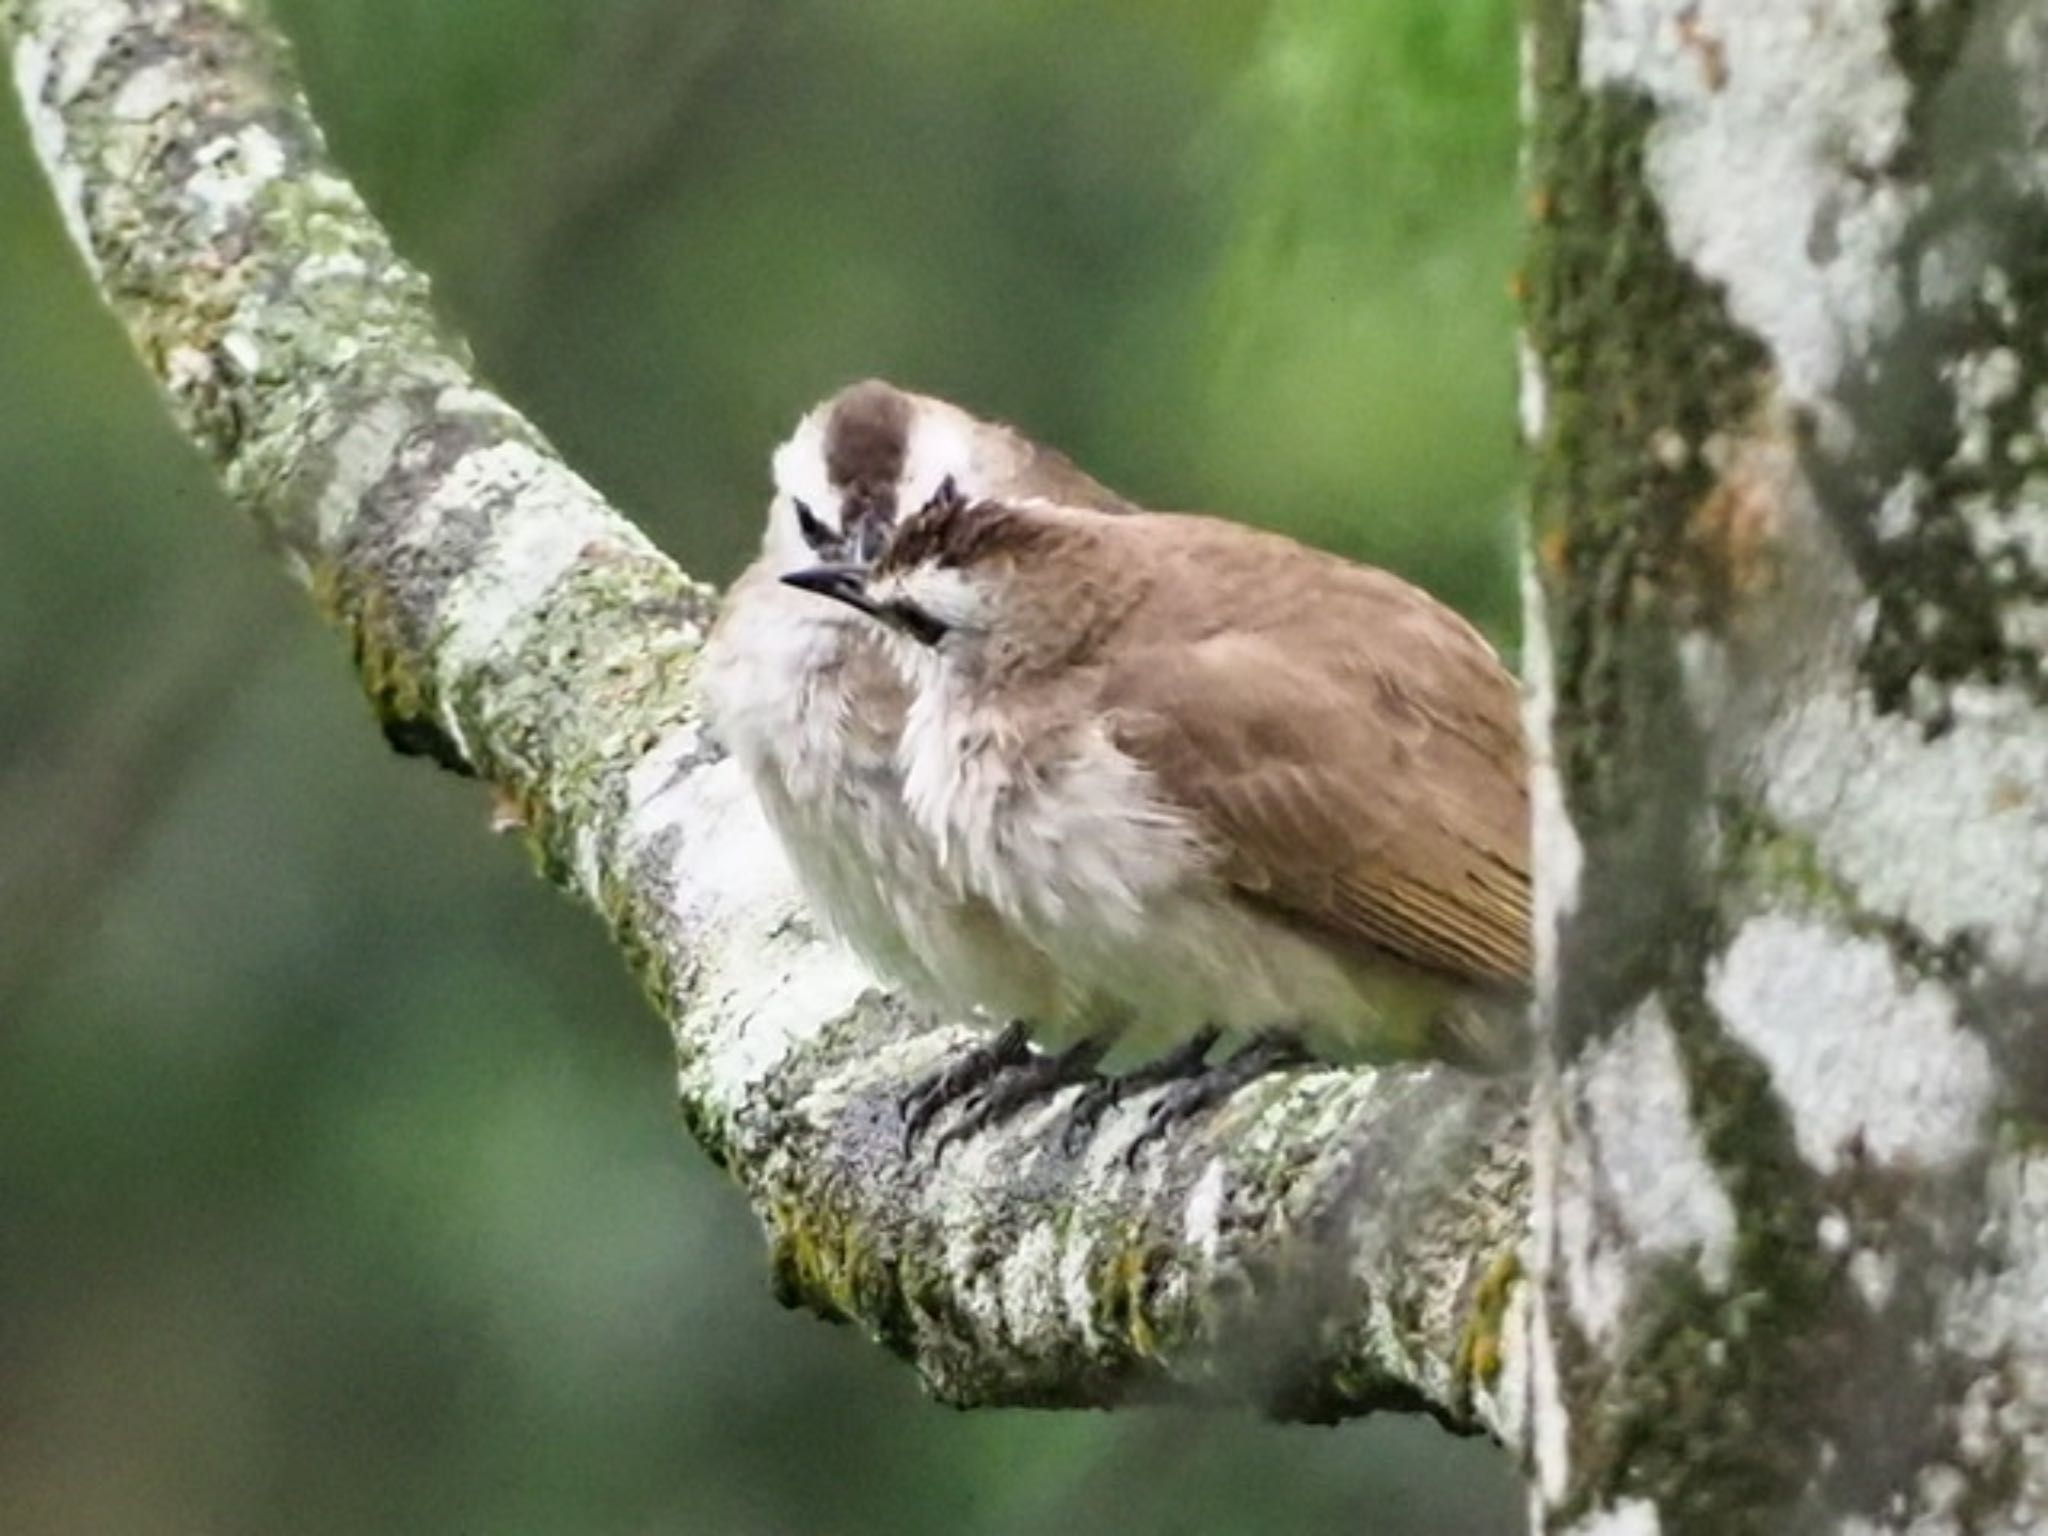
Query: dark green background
[[341, 1188]]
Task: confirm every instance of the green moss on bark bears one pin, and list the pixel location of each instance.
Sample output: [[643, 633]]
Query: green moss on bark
[[1926, 40], [1717, 1424], [1768, 865], [1641, 366], [587, 690], [1480, 1347]]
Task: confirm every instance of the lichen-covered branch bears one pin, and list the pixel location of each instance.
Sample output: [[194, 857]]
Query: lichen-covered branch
[[1331, 1242], [1787, 385]]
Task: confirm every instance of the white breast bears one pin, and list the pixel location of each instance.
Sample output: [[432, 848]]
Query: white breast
[[801, 694], [1073, 844], [1049, 837]]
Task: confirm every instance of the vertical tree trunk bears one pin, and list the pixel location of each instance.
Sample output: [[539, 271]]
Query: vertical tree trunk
[[1787, 386]]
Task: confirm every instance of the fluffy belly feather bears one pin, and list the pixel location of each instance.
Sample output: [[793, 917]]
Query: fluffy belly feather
[[775, 692], [1082, 859]]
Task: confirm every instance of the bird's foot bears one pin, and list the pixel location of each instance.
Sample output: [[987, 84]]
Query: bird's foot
[[1270, 1050], [1037, 1076], [1102, 1094], [971, 1069]]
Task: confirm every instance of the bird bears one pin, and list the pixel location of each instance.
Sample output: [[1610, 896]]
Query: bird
[[1227, 782], [805, 698]]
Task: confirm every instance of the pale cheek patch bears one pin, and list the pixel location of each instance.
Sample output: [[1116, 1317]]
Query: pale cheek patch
[[941, 448], [948, 596]]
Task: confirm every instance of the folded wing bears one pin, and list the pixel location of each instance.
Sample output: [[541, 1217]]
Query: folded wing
[[1351, 747]]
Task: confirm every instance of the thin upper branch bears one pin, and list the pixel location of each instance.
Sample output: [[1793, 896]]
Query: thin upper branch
[[1329, 1243]]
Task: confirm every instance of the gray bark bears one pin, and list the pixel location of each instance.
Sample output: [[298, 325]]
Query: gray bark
[[1787, 382], [1334, 1241]]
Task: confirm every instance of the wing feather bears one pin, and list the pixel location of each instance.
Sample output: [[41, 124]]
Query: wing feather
[[1351, 747]]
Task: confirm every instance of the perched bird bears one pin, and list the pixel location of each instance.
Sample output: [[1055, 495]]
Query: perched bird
[[1221, 779], [803, 695]]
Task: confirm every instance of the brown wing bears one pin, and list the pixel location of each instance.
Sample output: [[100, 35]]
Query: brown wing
[[1353, 747]]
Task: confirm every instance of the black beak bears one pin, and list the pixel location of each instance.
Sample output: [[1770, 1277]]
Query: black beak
[[870, 536], [845, 583]]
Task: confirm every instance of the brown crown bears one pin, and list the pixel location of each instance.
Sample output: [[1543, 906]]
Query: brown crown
[[866, 438]]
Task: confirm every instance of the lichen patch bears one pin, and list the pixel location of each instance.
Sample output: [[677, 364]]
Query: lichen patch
[[234, 171], [1869, 1060], [1770, 161], [1865, 785], [1631, 1517], [749, 1004], [361, 456], [560, 519], [1636, 1183]]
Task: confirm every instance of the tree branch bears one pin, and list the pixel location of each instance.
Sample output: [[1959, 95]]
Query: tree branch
[[1330, 1243]]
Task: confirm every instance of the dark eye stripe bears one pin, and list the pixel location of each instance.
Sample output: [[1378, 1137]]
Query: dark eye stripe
[[816, 534], [915, 622]]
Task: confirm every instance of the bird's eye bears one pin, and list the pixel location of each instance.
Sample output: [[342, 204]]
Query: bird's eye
[[821, 539], [946, 496]]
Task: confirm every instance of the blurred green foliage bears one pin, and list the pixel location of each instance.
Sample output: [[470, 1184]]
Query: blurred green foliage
[[340, 1185]]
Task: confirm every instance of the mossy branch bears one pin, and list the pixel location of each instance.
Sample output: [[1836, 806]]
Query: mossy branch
[[1331, 1243]]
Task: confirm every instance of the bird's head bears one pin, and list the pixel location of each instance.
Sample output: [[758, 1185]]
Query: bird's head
[[972, 581], [861, 461]]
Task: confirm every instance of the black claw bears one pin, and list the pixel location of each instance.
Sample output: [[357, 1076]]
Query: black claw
[[1269, 1051], [970, 1070], [1188, 1059], [1026, 1082]]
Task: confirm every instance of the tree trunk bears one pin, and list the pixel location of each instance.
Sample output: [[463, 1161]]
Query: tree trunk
[[1787, 387]]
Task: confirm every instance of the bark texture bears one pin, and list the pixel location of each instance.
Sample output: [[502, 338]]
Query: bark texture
[[1333, 1242], [1787, 382]]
